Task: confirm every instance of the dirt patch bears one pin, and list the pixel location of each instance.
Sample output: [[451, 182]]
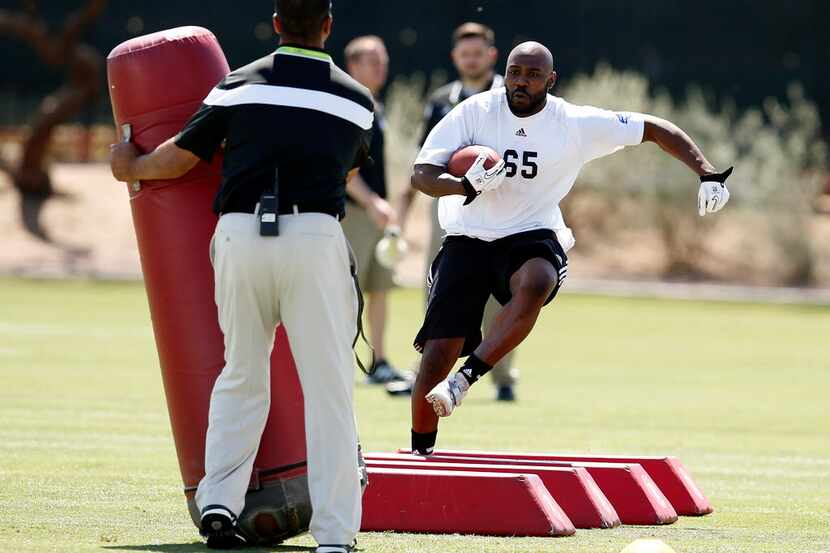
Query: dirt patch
[[89, 228], [91, 235]]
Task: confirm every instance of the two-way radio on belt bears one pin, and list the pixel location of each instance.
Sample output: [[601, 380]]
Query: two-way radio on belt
[[269, 221]]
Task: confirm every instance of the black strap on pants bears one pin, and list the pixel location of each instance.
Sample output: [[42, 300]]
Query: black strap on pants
[[360, 306]]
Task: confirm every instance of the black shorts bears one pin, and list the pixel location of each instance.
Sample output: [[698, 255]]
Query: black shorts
[[467, 271]]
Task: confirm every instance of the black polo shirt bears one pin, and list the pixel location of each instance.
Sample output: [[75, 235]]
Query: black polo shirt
[[373, 172], [293, 109]]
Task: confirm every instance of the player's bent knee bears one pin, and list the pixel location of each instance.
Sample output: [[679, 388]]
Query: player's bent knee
[[536, 277], [537, 285], [440, 354]]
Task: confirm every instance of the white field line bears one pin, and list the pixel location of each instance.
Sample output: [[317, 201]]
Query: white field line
[[698, 291]]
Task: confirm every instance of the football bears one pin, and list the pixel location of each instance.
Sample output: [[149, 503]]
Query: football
[[462, 159]]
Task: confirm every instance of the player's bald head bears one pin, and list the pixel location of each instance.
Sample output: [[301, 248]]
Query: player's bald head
[[531, 54], [529, 78]]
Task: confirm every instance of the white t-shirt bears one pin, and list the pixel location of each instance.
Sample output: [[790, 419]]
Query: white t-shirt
[[543, 153]]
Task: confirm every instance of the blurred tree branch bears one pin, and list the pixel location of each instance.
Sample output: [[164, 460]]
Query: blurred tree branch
[[62, 48]]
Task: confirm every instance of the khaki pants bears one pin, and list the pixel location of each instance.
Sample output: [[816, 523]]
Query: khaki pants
[[364, 236], [503, 373], [301, 279]]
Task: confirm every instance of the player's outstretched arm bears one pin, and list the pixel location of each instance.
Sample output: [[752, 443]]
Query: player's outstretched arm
[[676, 143], [168, 161], [713, 193]]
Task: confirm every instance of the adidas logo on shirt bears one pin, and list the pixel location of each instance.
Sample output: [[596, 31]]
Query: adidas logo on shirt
[[521, 132]]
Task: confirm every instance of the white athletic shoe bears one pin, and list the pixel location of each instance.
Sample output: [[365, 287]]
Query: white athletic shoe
[[334, 549], [448, 394]]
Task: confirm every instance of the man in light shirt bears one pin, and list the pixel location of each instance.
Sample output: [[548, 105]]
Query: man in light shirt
[[474, 56], [500, 221]]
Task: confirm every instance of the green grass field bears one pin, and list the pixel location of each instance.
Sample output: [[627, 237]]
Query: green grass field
[[738, 391]]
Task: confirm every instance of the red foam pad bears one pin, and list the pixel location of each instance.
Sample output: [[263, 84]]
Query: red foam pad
[[673, 479], [628, 487], [445, 502], [156, 83], [571, 487]]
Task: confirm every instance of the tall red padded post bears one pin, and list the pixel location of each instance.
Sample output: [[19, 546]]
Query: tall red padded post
[[156, 83]]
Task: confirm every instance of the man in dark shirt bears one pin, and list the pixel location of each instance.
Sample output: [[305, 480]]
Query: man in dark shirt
[[368, 212], [474, 55], [293, 112]]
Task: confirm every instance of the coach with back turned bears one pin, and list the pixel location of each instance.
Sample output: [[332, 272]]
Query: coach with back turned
[[293, 126]]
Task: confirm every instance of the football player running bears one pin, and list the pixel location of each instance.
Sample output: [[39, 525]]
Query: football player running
[[499, 221]]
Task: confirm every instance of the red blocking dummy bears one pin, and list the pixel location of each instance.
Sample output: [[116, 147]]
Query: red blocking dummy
[[156, 83]]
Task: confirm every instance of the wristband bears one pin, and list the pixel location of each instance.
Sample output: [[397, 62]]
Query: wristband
[[717, 177], [469, 191]]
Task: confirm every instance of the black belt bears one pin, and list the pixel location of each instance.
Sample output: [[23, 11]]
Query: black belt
[[294, 209]]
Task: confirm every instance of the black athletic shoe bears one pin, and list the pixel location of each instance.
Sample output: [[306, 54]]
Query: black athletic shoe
[[384, 373], [218, 525], [505, 393]]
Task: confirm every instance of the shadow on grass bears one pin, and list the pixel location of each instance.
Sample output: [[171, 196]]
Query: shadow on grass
[[200, 547]]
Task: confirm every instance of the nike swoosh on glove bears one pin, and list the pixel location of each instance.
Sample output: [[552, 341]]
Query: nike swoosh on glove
[[478, 179], [713, 193]]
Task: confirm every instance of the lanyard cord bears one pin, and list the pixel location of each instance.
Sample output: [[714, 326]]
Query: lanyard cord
[[360, 304]]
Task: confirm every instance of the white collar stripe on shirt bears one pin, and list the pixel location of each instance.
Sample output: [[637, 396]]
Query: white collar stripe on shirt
[[292, 97]]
